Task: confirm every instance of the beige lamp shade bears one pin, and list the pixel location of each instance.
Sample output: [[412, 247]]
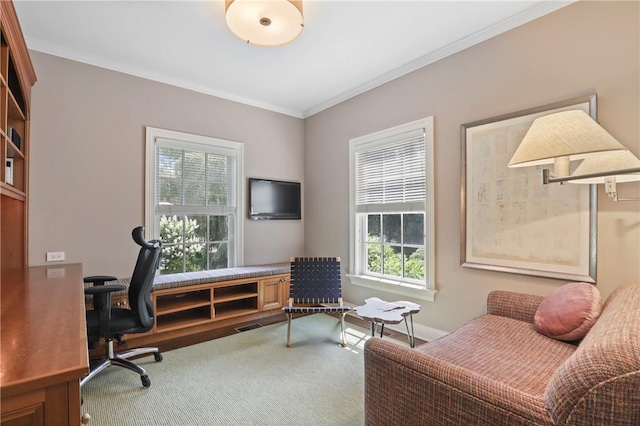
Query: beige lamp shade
[[607, 163], [265, 22], [571, 134]]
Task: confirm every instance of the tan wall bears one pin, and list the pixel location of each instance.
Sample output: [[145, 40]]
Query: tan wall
[[87, 161], [585, 48], [87, 168]]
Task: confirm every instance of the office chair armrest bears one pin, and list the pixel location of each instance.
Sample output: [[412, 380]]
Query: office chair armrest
[[101, 295], [101, 289], [99, 279]]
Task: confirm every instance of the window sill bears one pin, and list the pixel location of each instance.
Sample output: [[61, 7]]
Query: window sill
[[395, 287]]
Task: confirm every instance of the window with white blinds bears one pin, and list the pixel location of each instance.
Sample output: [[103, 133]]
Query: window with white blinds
[[391, 209], [392, 175], [194, 200], [188, 177]]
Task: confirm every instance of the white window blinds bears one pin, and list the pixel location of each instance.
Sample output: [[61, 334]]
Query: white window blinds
[[391, 175], [191, 178]]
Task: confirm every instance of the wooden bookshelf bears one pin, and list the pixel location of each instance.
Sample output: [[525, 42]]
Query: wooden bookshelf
[[16, 79]]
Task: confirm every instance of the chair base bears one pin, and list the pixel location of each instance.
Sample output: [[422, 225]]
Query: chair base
[[343, 336], [121, 360]]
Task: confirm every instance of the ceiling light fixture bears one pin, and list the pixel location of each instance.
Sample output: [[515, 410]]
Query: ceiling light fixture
[[265, 22]]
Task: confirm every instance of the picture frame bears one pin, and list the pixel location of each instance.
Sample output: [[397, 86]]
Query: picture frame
[[510, 221]]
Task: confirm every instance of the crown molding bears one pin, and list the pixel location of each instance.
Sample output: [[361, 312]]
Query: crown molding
[[528, 15], [74, 55]]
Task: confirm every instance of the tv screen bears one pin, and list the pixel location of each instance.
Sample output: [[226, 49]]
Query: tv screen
[[274, 199]]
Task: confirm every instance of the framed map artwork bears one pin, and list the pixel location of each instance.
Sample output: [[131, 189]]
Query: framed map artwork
[[512, 222]]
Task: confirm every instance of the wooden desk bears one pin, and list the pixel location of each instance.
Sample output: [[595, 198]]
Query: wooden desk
[[43, 342]]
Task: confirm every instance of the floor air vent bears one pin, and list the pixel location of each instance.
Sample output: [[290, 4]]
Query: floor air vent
[[248, 327]]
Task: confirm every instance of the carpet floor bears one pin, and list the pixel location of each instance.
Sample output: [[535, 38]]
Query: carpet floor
[[250, 378]]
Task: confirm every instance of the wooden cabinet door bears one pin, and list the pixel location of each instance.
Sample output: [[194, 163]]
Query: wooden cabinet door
[[24, 409], [272, 292]]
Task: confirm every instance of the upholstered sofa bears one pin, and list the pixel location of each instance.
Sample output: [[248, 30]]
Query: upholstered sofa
[[498, 370]]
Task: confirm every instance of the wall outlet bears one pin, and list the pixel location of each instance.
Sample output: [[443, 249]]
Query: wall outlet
[[55, 256]]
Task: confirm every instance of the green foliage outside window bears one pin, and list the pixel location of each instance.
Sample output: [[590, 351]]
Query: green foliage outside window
[[188, 246], [393, 259], [395, 245]]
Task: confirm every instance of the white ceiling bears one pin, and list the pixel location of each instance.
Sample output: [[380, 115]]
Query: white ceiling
[[346, 47]]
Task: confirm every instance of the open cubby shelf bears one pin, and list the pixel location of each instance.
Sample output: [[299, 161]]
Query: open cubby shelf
[[190, 306], [167, 304], [234, 313], [184, 318], [236, 297], [232, 307]]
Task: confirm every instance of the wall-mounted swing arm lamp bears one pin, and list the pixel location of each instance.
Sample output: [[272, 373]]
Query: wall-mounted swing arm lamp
[[565, 136], [609, 170]]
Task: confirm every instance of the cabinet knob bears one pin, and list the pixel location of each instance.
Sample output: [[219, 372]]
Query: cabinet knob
[[85, 419]]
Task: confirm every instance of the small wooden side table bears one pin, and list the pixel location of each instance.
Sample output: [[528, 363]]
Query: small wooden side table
[[379, 312]]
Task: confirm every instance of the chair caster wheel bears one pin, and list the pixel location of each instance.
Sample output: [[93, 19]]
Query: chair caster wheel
[[146, 382], [157, 356]]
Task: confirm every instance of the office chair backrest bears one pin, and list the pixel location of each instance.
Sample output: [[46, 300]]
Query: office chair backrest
[[315, 280], [144, 272]]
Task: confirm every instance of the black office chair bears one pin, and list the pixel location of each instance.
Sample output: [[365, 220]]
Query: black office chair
[[110, 323]]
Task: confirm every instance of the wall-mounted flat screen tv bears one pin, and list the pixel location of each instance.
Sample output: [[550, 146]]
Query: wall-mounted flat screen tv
[[274, 199]]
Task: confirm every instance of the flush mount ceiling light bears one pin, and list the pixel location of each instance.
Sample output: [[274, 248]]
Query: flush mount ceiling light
[[265, 22]]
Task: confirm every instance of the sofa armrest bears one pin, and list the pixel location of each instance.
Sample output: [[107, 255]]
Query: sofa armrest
[[519, 306], [403, 383]]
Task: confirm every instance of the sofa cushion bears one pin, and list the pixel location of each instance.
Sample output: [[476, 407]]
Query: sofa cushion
[[569, 312], [527, 360]]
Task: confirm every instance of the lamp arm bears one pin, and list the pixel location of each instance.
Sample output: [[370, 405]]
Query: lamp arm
[[546, 175]]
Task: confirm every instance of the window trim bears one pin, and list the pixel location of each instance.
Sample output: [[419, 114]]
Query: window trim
[[383, 283], [209, 144]]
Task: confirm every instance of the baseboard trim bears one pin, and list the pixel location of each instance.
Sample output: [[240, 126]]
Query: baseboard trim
[[420, 331]]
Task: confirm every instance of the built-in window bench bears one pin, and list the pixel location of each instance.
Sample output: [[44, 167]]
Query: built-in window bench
[[193, 302]]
